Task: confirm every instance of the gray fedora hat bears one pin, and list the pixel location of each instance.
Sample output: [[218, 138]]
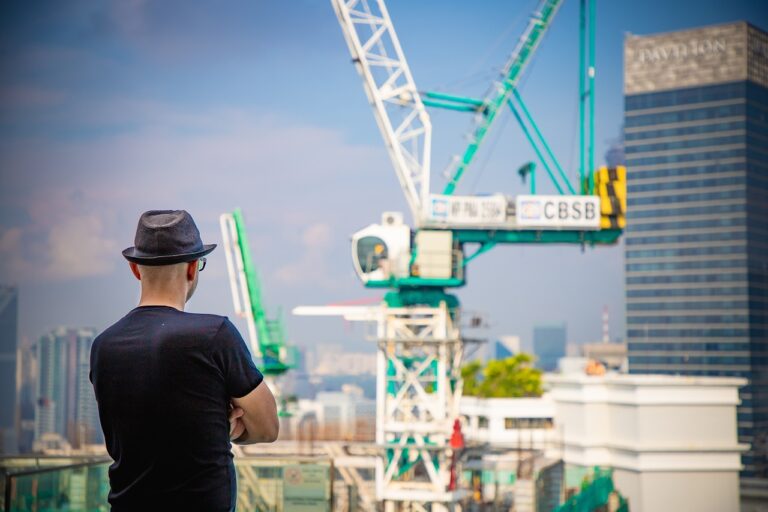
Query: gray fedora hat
[[164, 237]]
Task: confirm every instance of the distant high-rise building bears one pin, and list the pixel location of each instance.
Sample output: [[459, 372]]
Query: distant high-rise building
[[549, 345], [696, 133], [505, 346], [9, 315], [26, 397], [66, 404]]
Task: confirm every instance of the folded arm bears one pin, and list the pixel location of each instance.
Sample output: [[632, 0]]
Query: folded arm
[[259, 416]]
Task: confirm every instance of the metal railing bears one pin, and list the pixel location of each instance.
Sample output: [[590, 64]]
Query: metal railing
[[54, 483], [268, 484]]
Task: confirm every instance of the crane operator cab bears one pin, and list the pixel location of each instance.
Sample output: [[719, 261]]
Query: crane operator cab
[[381, 252], [383, 255]]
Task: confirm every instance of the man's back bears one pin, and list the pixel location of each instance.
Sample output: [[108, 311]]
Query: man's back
[[163, 381]]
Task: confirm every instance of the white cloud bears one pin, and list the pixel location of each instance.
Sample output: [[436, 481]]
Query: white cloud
[[317, 237], [82, 197], [312, 267], [68, 248], [78, 248]]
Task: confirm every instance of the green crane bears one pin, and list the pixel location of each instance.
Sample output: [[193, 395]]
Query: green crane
[[502, 95], [266, 335]]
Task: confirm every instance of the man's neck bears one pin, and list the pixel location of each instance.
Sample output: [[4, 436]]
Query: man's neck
[[176, 301]]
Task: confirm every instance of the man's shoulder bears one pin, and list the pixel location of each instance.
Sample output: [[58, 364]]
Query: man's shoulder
[[205, 319], [138, 319]]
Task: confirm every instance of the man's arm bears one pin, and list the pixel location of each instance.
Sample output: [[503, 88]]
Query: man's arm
[[259, 416]]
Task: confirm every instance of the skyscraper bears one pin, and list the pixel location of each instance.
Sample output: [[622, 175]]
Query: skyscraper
[[696, 133], [9, 313], [549, 345], [26, 397], [66, 404]]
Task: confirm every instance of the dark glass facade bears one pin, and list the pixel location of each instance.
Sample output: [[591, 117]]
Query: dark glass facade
[[9, 312], [549, 346], [696, 251]]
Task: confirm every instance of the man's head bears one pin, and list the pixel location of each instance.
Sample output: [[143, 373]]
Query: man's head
[[168, 253], [169, 279]]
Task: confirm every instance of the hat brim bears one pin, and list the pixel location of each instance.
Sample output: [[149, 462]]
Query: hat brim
[[167, 259]]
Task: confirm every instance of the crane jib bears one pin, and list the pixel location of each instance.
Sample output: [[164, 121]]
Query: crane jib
[[537, 27], [269, 333]]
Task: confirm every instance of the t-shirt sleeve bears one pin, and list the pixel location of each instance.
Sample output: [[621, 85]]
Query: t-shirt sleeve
[[233, 358]]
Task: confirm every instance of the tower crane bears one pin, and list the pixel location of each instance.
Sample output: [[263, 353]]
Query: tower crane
[[418, 264], [419, 340], [266, 335]]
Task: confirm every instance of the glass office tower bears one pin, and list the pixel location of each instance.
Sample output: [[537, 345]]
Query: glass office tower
[[549, 343], [696, 130], [66, 404], [9, 313]]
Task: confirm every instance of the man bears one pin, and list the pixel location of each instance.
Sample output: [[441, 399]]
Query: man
[[172, 387]]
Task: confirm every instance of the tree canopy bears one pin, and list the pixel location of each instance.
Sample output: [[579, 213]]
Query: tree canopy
[[513, 377]]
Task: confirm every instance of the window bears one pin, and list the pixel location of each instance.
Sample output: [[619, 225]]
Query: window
[[688, 251], [684, 144], [689, 278], [370, 251], [713, 154], [527, 423], [688, 319], [686, 130], [685, 185], [691, 95], [687, 265], [687, 306], [676, 199], [680, 116], [482, 422], [678, 239], [693, 170]]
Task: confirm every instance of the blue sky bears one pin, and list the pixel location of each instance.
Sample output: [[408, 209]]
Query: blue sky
[[111, 108]]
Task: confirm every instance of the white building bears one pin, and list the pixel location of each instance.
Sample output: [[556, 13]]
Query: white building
[[671, 440], [526, 423]]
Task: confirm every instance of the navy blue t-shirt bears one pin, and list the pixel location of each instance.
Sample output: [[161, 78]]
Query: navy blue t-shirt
[[163, 381]]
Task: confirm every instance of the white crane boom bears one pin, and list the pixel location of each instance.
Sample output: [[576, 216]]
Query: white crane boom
[[389, 85]]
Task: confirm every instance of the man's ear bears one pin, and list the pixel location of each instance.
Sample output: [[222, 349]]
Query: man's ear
[[135, 269], [191, 270]]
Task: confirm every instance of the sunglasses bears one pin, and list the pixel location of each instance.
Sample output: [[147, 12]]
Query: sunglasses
[[201, 264]]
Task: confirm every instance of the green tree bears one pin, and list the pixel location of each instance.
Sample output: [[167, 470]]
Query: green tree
[[469, 375], [513, 377]]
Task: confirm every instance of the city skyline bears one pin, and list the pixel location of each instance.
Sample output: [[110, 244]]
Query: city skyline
[[190, 111]]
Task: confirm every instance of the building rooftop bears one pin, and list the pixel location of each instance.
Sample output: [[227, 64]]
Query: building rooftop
[[646, 380]]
